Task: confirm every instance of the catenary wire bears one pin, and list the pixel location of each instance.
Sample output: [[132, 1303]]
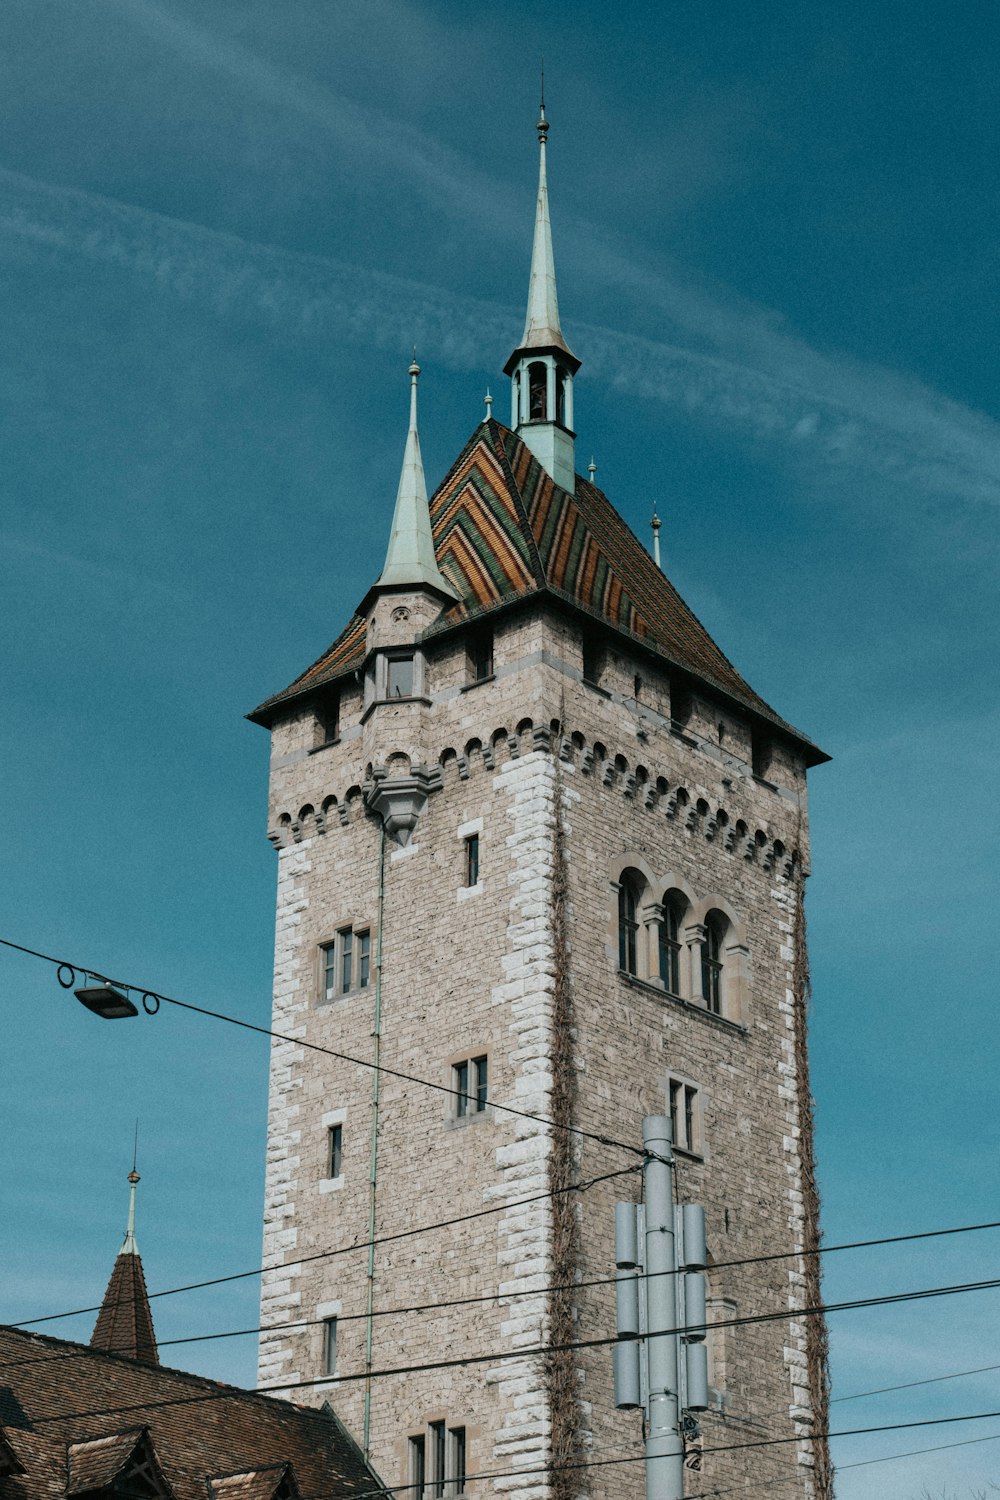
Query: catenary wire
[[492, 1297], [465, 1361], [402, 1234], [360, 1062]]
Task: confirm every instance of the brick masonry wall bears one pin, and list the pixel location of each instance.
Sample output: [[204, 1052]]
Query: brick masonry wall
[[473, 972]]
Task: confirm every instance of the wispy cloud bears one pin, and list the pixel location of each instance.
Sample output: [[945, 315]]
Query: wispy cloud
[[832, 413]]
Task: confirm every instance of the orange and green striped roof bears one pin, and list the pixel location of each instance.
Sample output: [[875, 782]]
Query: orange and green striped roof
[[504, 531]]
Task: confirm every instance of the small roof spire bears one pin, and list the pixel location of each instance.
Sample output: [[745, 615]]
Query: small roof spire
[[410, 559], [592, 469], [541, 324], [656, 523], [489, 404], [125, 1324]]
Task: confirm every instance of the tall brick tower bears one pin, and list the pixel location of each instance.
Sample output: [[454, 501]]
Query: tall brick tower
[[541, 853]]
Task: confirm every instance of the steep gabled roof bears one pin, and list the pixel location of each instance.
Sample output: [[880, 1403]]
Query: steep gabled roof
[[505, 531]]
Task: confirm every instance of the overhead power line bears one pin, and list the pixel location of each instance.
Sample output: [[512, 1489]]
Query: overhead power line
[[297, 1041], [385, 1239], [194, 1286], [503, 1356]]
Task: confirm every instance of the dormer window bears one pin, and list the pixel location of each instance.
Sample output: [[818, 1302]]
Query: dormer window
[[399, 677]]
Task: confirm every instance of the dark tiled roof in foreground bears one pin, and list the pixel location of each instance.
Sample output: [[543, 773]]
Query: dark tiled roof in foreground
[[504, 530], [76, 1419], [125, 1324]]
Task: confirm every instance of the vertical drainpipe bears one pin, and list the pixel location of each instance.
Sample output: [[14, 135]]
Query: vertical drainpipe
[[373, 1170]]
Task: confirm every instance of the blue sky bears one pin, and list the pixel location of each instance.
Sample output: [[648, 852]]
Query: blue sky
[[222, 227]]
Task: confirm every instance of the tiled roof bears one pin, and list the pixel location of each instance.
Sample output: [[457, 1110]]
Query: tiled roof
[[255, 1484], [75, 1414], [125, 1324], [504, 530]]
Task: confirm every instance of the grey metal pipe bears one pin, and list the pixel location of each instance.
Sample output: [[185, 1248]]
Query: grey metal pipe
[[664, 1445]]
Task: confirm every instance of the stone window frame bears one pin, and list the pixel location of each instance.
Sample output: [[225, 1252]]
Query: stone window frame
[[464, 832], [700, 912], [424, 1476], [324, 1314], [468, 1056], [692, 1145], [334, 946], [333, 1119], [721, 1313]]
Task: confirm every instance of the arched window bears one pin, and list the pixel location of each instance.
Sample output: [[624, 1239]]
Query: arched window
[[560, 395], [629, 893], [670, 942], [538, 403], [711, 962]]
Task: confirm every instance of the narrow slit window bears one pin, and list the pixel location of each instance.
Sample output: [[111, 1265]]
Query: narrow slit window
[[418, 1467], [329, 957], [335, 1150], [472, 859], [346, 960], [364, 959], [458, 1460], [329, 1346], [439, 1445], [628, 926]]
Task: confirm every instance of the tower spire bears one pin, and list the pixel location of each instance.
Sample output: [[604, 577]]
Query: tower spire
[[125, 1324], [543, 365], [410, 558], [541, 323]]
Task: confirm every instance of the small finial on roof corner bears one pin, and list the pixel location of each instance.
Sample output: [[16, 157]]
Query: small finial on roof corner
[[489, 404], [656, 523], [592, 468]]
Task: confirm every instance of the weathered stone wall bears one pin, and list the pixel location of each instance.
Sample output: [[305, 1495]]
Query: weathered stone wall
[[497, 970]]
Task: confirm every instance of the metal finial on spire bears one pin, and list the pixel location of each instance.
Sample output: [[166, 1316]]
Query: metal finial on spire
[[130, 1247], [543, 124], [656, 523], [592, 469], [489, 404]]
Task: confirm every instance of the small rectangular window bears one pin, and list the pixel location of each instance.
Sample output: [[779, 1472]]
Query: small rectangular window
[[329, 1346], [438, 1457], [328, 720], [399, 677], [685, 1123], [418, 1467], [364, 959], [346, 960], [593, 657], [480, 655], [471, 1086], [335, 1150], [472, 859]]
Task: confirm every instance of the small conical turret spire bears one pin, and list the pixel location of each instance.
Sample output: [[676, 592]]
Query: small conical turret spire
[[410, 559], [656, 523], [125, 1324]]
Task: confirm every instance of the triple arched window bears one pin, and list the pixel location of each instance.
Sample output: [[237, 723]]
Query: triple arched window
[[693, 948]]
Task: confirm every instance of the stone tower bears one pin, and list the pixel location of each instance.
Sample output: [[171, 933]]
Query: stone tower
[[541, 853]]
